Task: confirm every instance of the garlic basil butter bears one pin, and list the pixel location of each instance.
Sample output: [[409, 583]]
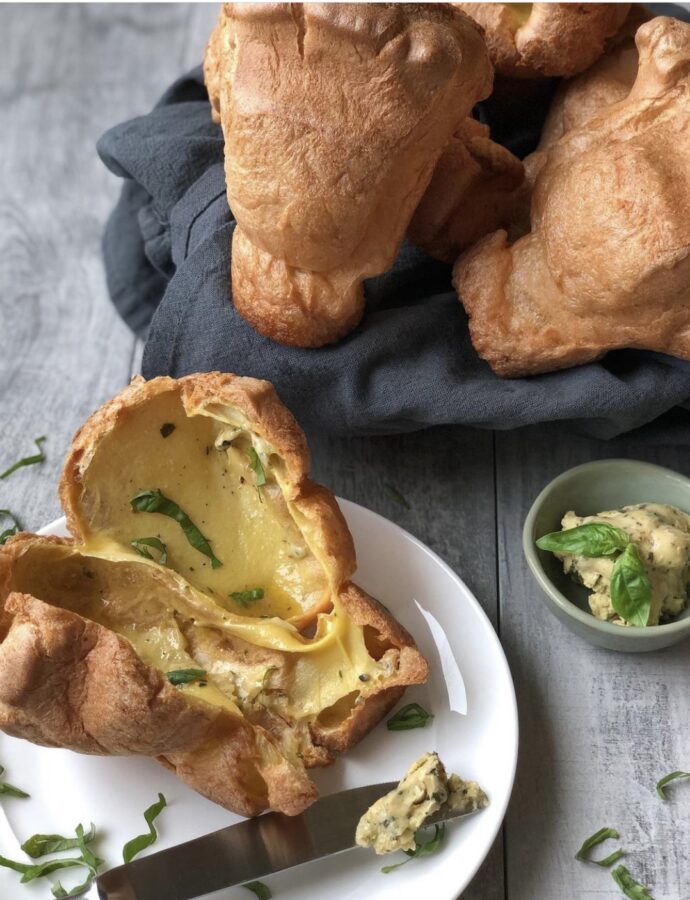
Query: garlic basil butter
[[390, 823], [660, 538]]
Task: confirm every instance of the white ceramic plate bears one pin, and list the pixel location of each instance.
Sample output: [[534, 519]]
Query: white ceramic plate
[[468, 669]]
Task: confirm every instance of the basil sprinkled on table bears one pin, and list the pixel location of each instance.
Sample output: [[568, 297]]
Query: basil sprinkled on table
[[9, 790], [597, 838], [140, 545], [167, 429], [672, 776], [259, 888], [631, 590], [27, 460], [395, 494], [185, 676], [422, 847], [154, 501], [42, 844], [246, 598], [256, 467], [631, 888], [142, 841], [410, 716], [14, 529]]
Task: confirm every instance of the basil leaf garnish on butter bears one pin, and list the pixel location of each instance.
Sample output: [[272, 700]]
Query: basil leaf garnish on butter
[[594, 539], [27, 460], [410, 716], [140, 545], [422, 847], [14, 529], [246, 598], [42, 844], [667, 779], [597, 838], [259, 888], [141, 842], [156, 502], [631, 591], [185, 676], [631, 888], [256, 466]]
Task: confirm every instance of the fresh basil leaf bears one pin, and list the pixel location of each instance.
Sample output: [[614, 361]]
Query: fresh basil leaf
[[167, 429], [42, 844], [142, 841], [631, 888], [9, 790], [593, 539], [83, 839], [422, 847], [259, 888], [395, 494], [31, 871], [410, 716], [9, 532], [156, 502], [631, 592], [185, 676], [672, 776], [255, 465], [28, 460], [140, 545], [597, 838], [246, 598]]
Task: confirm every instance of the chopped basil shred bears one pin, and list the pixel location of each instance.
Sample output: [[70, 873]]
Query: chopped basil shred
[[395, 494], [185, 676], [597, 838], [672, 776], [154, 501], [246, 598], [410, 716], [140, 545], [14, 529], [142, 841], [631, 888], [259, 888], [9, 790], [42, 844], [422, 847], [27, 460], [631, 591], [256, 467], [167, 429], [593, 539]]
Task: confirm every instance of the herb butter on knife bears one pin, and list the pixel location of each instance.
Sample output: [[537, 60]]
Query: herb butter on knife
[[635, 561]]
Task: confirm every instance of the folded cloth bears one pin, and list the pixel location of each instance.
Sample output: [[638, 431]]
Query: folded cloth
[[410, 363]]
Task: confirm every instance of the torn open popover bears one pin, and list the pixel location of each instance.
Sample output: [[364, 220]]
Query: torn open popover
[[202, 611]]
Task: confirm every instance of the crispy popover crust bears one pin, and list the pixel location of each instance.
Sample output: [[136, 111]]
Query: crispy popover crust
[[77, 683], [546, 39]]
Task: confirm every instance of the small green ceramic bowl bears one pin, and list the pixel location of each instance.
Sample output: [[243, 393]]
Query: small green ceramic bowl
[[590, 489]]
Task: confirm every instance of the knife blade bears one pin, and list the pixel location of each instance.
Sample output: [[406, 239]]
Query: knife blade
[[247, 851]]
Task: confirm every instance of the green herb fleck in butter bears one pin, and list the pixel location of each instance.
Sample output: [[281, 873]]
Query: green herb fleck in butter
[[390, 824], [662, 535]]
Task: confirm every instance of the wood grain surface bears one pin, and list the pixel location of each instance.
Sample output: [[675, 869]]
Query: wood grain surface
[[597, 728]]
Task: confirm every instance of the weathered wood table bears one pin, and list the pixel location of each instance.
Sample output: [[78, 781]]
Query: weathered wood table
[[597, 729]]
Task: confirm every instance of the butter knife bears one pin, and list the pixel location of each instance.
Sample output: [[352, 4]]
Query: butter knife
[[247, 851]]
